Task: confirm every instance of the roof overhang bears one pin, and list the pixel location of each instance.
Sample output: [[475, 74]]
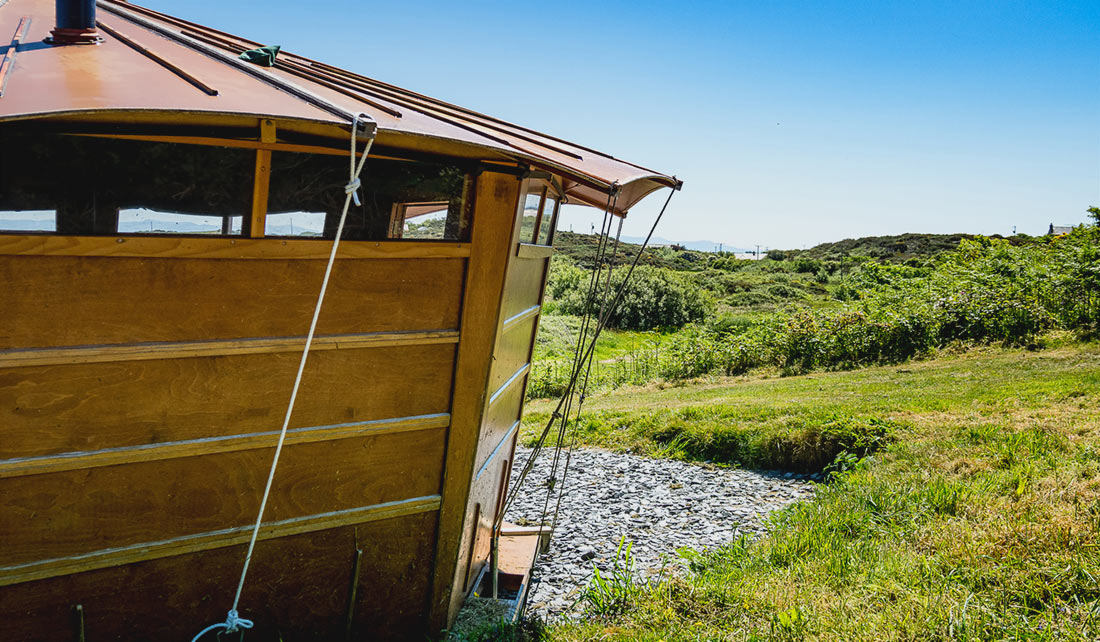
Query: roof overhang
[[154, 67]]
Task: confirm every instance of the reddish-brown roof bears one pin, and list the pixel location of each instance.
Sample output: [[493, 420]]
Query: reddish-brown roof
[[150, 61]]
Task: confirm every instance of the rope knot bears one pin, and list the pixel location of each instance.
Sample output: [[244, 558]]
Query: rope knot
[[353, 189], [234, 622]]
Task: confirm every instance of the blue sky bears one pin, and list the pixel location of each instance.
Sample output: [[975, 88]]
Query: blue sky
[[791, 123]]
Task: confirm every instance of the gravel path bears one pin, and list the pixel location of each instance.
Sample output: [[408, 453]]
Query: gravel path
[[658, 504]]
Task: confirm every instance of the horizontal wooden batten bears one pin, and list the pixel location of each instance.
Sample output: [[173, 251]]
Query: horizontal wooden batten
[[27, 357], [212, 445], [532, 251], [517, 376], [222, 248], [215, 539], [519, 318], [496, 451]]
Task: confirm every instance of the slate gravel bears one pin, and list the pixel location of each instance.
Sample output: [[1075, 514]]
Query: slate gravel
[[657, 504]]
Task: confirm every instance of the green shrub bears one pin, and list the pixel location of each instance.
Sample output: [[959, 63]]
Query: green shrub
[[653, 298]]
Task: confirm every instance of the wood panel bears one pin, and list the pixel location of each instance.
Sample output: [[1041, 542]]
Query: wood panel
[[197, 247], [298, 588], [215, 539], [94, 406], [496, 209], [512, 351], [213, 445], [182, 349], [504, 447], [524, 286], [520, 317], [500, 416], [127, 300], [74, 512]]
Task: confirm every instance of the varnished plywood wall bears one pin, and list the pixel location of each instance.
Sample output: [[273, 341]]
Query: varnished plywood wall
[[140, 399], [298, 591]]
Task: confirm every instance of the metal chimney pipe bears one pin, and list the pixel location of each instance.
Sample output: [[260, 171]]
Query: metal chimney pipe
[[75, 23]]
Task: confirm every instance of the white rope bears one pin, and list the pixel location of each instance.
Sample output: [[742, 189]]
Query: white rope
[[232, 621]]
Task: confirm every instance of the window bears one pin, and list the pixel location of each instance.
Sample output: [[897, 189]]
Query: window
[[531, 206], [420, 220], [146, 221], [547, 222], [400, 199], [297, 224], [28, 221], [539, 212], [82, 185]]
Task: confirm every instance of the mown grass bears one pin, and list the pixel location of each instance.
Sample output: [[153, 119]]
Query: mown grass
[[974, 516]]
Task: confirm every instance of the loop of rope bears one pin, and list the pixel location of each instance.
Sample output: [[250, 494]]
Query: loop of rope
[[233, 622], [353, 189]]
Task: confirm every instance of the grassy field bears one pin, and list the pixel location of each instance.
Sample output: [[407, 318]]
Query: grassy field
[[965, 502]]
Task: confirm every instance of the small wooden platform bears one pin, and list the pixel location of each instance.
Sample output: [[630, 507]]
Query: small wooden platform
[[518, 547]]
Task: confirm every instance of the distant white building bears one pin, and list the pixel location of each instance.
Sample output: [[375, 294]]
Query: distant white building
[[1058, 230]]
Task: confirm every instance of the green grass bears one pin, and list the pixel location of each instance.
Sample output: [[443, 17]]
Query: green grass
[[557, 339], [975, 514]]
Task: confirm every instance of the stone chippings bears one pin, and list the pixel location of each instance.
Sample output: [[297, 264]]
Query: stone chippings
[[659, 505]]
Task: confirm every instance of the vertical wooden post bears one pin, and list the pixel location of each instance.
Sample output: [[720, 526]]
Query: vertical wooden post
[[496, 207], [261, 181]]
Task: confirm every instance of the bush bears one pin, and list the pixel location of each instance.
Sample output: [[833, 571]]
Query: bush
[[653, 298]]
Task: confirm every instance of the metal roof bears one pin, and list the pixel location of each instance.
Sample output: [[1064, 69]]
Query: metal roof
[[153, 62]]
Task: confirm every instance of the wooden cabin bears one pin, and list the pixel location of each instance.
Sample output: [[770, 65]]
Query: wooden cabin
[[166, 214]]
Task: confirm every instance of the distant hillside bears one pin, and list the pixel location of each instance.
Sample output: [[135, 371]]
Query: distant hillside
[[582, 248], [889, 248], [701, 246]]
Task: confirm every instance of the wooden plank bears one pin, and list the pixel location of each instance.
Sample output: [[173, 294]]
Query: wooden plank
[[297, 589], [524, 286], [49, 410], [518, 550], [73, 513], [105, 300], [268, 131], [511, 381], [513, 350], [261, 181], [499, 418], [496, 208], [144, 551], [340, 146], [520, 317], [503, 446], [222, 248], [533, 251], [213, 445], [186, 349]]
